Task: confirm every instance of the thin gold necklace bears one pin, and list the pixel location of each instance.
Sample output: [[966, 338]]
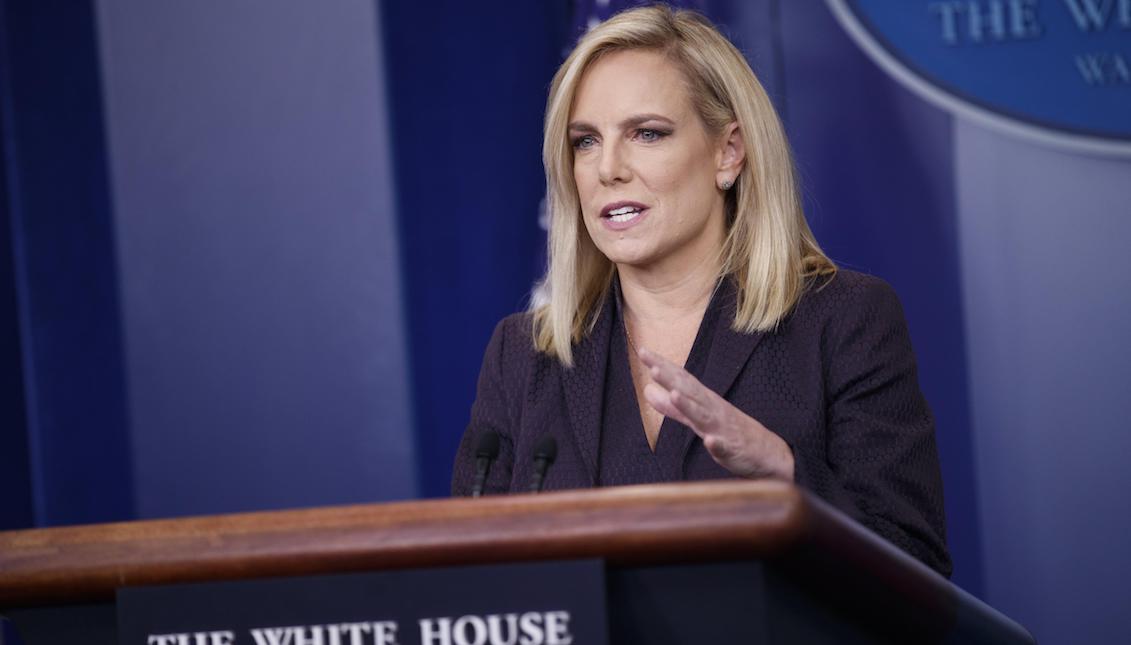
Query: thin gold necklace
[[628, 334]]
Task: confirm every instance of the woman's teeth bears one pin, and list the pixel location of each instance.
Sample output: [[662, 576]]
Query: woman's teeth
[[624, 214]]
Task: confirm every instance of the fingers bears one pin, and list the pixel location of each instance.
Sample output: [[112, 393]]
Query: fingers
[[673, 377], [734, 439], [660, 399], [702, 417], [699, 418]]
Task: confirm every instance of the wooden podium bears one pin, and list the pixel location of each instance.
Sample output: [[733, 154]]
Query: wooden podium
[[718, 562]]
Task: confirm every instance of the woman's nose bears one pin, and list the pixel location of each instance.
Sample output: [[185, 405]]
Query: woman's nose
[[613, 167]]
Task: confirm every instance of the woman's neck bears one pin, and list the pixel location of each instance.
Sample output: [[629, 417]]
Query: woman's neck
[[654, 295]]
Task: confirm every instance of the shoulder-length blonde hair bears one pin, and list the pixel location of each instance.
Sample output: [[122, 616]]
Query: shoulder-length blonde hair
[[769, 249]]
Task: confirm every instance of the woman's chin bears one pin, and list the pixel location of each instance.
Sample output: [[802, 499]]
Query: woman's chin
[[628, 253]]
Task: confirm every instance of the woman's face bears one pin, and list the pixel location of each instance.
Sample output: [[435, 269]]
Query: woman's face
[[645, 167]]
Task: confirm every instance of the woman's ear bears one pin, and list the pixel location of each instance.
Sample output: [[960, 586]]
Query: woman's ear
[[731, 155]]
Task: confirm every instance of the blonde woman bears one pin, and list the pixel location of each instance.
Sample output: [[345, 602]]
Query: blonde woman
[[694, 329]]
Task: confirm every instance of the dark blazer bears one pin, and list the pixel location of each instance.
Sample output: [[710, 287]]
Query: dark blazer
[[837, 380]]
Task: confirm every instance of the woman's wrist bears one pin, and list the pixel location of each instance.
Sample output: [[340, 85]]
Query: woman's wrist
[[777, 460], [786, 462]]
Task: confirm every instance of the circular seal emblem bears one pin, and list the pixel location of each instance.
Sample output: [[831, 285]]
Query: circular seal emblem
[[1054, 70]]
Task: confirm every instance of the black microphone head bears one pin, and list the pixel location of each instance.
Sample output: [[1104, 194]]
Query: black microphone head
[[488, 446], [546, 449]]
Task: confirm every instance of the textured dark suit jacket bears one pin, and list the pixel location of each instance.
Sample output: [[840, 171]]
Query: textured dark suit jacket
[[837, 380]]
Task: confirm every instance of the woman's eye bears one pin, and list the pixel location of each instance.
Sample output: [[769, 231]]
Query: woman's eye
[[583, 142], [648, 135]]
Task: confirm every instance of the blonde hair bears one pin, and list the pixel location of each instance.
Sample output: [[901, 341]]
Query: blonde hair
[[769, 250]]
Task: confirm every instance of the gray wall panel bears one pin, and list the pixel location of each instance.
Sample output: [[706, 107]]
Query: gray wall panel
[[257, 244], [1044, 237]]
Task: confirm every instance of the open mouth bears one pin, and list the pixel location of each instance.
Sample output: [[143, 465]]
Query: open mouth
[[624, 214]]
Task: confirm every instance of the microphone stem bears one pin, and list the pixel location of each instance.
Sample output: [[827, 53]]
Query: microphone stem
[[539, 475], [481, 466]]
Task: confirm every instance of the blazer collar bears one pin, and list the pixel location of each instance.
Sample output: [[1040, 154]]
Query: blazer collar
[[730, 349], [729, 353]]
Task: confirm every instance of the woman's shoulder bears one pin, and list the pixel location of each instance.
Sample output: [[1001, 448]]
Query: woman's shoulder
[[842, 302], [852, 314], [512, 342], [515, 330], [848, 291]]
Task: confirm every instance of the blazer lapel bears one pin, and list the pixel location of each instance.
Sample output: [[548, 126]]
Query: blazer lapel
[[584, 388], [730, 350]]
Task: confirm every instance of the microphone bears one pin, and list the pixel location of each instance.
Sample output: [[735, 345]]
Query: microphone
[[485, 452], [545, 451]]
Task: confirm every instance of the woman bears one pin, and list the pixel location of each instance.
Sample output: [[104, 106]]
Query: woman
[[694, 329]]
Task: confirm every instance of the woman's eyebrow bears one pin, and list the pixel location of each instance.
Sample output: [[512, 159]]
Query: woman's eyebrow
[[628, 123], [638, 119], [582, 126]]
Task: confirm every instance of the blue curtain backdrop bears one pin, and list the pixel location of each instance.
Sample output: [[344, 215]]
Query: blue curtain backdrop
[[468, 86], [65, 441]]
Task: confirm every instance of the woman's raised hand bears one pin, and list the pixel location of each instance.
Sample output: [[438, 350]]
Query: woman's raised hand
[[735, 440]]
